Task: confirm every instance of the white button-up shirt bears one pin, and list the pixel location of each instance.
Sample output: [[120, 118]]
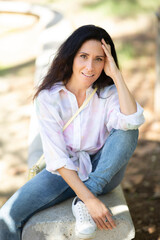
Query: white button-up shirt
[[86, 134]]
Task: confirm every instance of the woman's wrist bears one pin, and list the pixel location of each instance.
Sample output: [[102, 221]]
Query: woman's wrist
[[73, 180], [87, 197], [117, 77]]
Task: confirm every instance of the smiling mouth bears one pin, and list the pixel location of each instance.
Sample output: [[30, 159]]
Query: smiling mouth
[[87, 75]]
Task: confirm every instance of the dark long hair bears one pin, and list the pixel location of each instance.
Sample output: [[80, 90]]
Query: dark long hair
[[61, 67]]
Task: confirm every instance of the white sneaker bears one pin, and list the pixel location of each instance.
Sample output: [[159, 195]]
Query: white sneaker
[[85, 226]]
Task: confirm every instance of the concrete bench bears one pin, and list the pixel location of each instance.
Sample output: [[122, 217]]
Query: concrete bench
[[57, 223]]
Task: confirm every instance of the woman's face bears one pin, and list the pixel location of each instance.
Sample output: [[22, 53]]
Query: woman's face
[[88, 63]]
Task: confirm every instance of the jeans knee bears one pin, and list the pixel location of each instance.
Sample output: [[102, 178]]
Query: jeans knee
[[128, 139], [131, 138]]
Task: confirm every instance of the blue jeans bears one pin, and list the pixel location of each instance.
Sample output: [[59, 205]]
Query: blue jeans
[[47, 189]]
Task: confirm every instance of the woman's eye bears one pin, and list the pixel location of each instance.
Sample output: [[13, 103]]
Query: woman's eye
[[83, 56], [99, 59]]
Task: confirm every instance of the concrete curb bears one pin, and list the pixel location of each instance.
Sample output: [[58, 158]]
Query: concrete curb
[[25, 45], [46, 16]]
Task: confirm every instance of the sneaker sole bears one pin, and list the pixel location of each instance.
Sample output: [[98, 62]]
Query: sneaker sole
[[84, 236]]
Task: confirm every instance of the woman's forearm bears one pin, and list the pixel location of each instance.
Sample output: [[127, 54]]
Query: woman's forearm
[[96, 208], [73, 180], [126, 100]]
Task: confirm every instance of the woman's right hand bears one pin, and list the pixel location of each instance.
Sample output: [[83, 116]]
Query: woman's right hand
[[99, 212], [96, 208]]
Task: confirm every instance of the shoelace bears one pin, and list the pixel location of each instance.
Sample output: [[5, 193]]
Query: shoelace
[[83, 213]]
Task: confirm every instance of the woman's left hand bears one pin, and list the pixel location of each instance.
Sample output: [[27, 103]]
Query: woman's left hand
[[110, 67]]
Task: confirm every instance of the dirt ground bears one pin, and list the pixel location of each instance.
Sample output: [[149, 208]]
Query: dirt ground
[[141, 182], [142, 190]]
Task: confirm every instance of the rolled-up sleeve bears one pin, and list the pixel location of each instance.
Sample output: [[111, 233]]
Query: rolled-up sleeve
[[51, 132], [117, 120]]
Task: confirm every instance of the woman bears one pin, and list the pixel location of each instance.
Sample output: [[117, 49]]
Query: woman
[[89, 158]]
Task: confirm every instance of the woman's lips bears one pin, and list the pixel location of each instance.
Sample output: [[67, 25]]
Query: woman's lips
[[88, 75]]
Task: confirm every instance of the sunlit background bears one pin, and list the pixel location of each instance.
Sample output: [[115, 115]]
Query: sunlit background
[[24, 31]]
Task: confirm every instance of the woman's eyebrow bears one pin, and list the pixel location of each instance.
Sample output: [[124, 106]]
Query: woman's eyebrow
[[88, 54], [84, 53], [100, 56]]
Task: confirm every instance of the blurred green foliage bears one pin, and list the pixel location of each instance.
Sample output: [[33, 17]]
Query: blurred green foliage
[[121, 8], [113, 8], [125, 53], [17, 70]]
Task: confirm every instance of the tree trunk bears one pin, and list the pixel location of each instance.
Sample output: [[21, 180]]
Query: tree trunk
[[157, 84]]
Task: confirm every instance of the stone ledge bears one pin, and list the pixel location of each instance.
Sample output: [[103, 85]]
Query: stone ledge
[[46, 15], [57, 223], [23, 45]]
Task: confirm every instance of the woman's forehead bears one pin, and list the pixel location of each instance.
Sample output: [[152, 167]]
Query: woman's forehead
[[92, 47]]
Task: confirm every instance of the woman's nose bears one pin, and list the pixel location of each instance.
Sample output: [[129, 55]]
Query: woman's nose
[[89, 65]]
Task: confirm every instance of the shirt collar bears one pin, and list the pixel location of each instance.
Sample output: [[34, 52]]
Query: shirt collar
[[60, 86], [57, 87]]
